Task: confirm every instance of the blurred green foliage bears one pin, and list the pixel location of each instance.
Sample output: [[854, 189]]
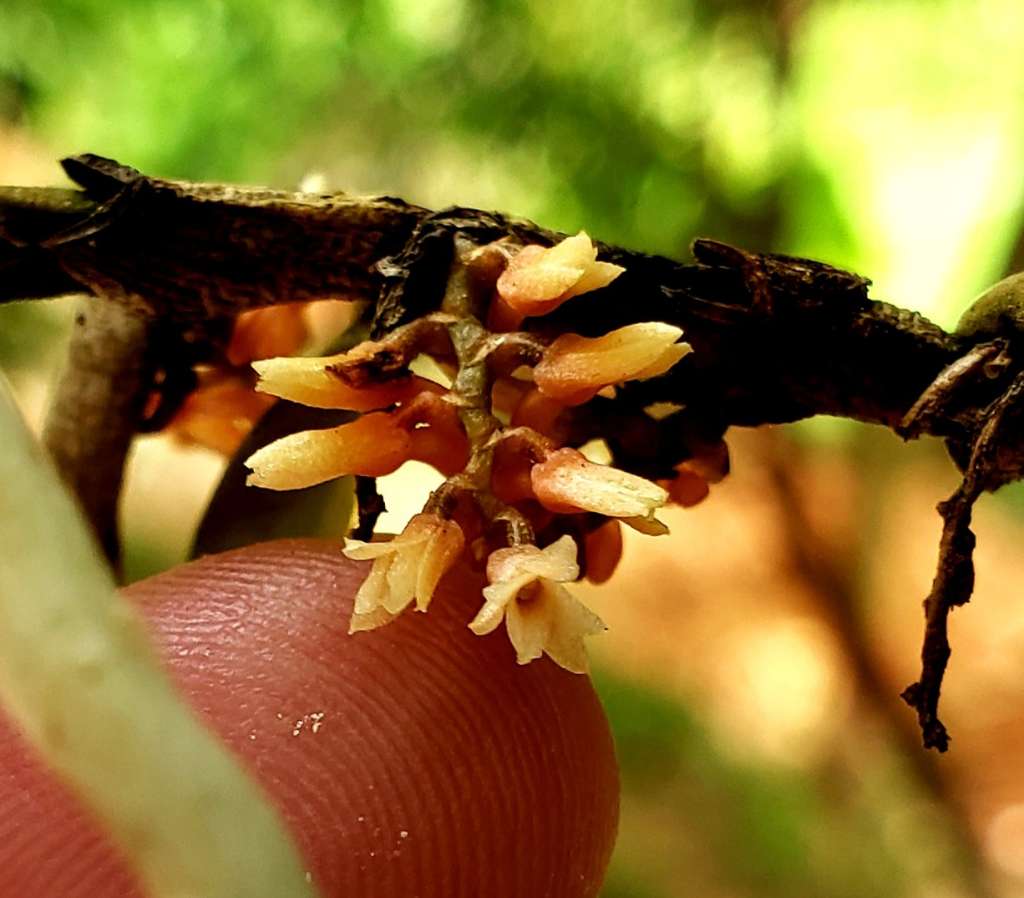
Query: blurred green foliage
[[770, 831], [881, 136]]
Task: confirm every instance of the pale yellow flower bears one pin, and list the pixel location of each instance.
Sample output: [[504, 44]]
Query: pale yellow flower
[[539, 279], [405, 569], [574, 368], [373, 445], [426, 429], [541, 616]]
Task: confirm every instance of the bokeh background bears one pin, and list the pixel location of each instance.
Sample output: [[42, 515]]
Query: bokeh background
[[755, 656]]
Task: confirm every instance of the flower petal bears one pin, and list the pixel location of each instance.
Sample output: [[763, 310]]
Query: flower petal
[[373, 589], [577, 251], [358, 550], [445, 546], [596, 276], [648, 525], [533, 288], [401, 577], [571, 621], [555, 562], [529, 625], [492, 612], [369, 620]]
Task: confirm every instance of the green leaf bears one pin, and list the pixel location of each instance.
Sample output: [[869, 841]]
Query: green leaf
[[79, 675]]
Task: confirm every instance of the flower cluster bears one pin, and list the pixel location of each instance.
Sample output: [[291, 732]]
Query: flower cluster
[[520, 496]]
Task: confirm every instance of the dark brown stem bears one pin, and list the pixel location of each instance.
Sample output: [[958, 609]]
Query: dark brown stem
[[776, 338], [369, 505], [830, 579], [97, 408], [954, 577]]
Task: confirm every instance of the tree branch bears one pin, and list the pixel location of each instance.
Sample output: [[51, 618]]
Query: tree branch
[[775, 338]]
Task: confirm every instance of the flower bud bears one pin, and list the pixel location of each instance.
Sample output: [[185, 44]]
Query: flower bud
[[566, 482], [314, 382], [437, 435], [575, 368], [687, 488], [373, 445], [538, 280], [543, 414]]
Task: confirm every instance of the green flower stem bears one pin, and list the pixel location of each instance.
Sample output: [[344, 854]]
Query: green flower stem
[[79, 675]]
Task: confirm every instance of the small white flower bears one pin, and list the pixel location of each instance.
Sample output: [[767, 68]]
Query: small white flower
[[406, 568], [541, 616]]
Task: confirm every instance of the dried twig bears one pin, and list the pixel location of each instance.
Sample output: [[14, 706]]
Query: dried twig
[[954, 578]]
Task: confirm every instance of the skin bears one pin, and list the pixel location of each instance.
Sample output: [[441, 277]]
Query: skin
[[413, 760]]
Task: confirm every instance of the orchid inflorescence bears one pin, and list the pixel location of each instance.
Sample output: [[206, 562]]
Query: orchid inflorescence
[[518, 498]]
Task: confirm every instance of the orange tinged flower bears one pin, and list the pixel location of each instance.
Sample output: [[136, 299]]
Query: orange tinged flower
[[538, 280], [427, 428], [405, 569], [219, 414], [575, 368], [541, 616], [222, 410], [566, 482], [373, 445], [263, 333]]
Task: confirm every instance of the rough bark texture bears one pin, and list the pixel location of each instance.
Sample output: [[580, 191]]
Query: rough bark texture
[[776, 338]]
